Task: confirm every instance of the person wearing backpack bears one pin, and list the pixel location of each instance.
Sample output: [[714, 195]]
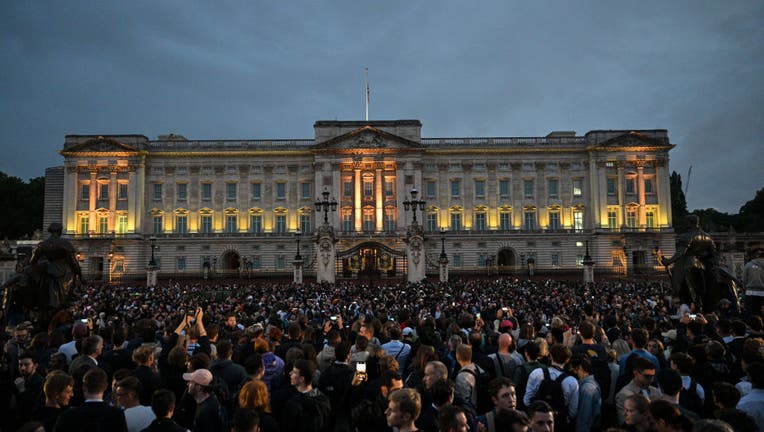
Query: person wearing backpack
[[520, 377], [504, 398], [692, 395], [556, 387], [309, 409], [503, 361], [471, 380]]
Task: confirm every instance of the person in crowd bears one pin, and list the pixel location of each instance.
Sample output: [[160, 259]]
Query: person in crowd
[[143, 357], [522, 372], [336, 383], [163, 405], [399, 350], [209, 416], [503, 397], [452, 418], [94, 414], [638, 341], [753, 403], [753, 280], [137, 416], [637, 413], [58, 388], [403, 409], [670, 384], [308, 405], [254, 396], [541, 416], [667, 417], [231, 373], [503, 360], [589, 413], [466, 377], [560, 356], [642, 378], [28, 387], [726, 397]]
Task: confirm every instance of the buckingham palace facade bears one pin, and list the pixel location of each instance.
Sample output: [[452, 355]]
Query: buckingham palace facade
[[240, 208]]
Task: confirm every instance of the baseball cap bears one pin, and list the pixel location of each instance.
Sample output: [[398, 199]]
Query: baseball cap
[[202, 377], [506, 324], [408, 331]]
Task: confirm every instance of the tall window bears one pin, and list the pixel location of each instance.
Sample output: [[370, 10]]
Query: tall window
[[281, 226], [457, 260], [480, 222], [280, 262], [368, 222], [456, 221], [504, 188], [479, 188], [230, 191], [389, 188], [505, 221], [649, 186], [122, 191], [650, 219], [181, 263], [578, 187], [280, 190], [256, 264], [429, 189], [431, 221], [555, 259], [306, 190], [612, 219], [230, 224], [121, 224], [554, 220], [305, 223], [206, 224], [85, 192], [84, 224], [157, 191], [530, 219], [181, 224], [630, 185], [182, 191], [256, 190], [256, 223], [347, 222], [631, 218], [156, 225], [528, 188], [611, 186], [368, 188], [389, 220], [103, 191], [206, 191], [456, 186], [103, 224], [578, 219], [553, 187], [347, 188]]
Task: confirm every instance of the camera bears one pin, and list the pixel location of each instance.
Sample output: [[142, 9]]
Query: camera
[[693, 316]]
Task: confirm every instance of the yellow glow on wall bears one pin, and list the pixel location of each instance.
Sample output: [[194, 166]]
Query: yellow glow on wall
[[193, 222]]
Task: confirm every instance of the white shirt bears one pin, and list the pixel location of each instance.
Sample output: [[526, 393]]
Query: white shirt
[[686, 381], [569, 388]]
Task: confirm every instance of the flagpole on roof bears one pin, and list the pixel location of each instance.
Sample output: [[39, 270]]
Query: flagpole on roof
[[367, 94]]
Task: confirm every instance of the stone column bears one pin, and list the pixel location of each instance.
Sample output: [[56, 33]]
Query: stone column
[[443, 266], [588, 266], [379, 193], [92, 204], [641, 185], [621, 196], [415, 254], [297, 277], [357, 215], [113, 200]]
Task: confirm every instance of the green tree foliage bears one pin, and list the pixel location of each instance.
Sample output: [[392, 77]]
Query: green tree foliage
[[678, 203], [751, 216], [22, 206]]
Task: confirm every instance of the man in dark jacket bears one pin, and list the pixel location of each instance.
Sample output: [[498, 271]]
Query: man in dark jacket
[[335, 383], [163, 404], [210, 416], [310, 409], [94, 414], [233, 374]]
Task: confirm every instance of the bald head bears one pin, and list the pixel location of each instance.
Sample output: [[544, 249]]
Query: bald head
[[505, 340]]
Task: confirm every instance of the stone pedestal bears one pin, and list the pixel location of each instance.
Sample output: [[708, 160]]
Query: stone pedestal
[[151, 276], [588, 266], [326, 254], [415, 254], [297, 277], [443, 267]]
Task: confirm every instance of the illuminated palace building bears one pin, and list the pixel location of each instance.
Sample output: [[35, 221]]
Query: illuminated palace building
[[241, 207]]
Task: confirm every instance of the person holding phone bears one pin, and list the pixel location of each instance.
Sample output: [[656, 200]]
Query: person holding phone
[[336, 383]]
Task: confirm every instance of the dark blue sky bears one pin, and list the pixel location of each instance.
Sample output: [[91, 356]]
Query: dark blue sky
[[255, 69]]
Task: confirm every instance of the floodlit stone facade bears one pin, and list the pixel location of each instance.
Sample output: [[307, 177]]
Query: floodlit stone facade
[[233, 207]]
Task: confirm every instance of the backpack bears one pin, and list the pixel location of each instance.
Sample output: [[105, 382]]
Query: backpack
[[550, 391], [482, 381], [522, 373], [601, 372], [689, 399], [316, 411], [501, 369]]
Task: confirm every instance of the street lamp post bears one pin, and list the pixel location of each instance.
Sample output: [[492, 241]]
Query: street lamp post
[[151, 273], [109, 257], [325, 205], [297, 276], [298, 235], [153, 261], [588, 266], [413, 203]]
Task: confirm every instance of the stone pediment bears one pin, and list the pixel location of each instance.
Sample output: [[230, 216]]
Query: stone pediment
[[632, 139], [101, 144], [368, 138]]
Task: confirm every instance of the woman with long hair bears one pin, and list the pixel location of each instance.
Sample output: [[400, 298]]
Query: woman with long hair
[[254, 395]]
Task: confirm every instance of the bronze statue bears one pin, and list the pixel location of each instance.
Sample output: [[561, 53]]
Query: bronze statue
[[695, 273], [43, 285]]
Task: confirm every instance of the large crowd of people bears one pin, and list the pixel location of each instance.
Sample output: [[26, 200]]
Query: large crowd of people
[[469, 355]]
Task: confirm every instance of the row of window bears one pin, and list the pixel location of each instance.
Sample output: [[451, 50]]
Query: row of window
[[120, 226], [231, 224], [231, 191], [102, 193], [632, 218], [529, 188], [630, 185]]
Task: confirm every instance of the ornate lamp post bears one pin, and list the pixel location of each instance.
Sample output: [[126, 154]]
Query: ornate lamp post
[[152, 269], [413, 203], [325, 205], [109, 257], [588, 266], [297, 277], [298, 235], [153, 261]]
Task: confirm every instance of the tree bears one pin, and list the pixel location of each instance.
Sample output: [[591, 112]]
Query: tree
[[22, 205], [751, 216], [678, 203]]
